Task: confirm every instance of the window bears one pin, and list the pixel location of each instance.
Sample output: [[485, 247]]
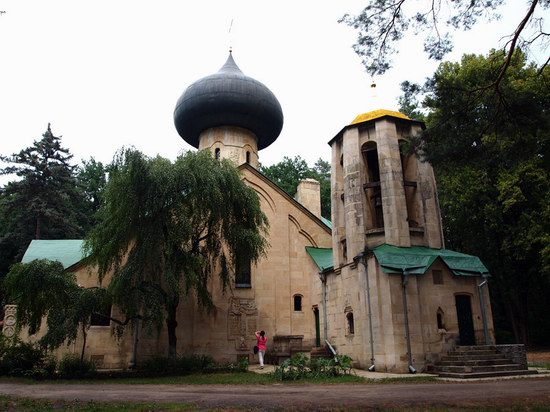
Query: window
[[217, 153], [350, 324], [344, 250], [103, 315], [243, 272], [247, 157], [440, 319], [297, 303], [372, 187], [437, 277]]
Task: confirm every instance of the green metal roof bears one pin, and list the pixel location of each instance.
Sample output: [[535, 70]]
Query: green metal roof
[[321, 256], [68, 252], [327, 222], [417, 259]]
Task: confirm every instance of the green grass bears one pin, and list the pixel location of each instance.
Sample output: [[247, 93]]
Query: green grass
[[234, 378], [8, 403]]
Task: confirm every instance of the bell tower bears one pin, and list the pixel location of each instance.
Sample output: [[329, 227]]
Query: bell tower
[[381, 194]]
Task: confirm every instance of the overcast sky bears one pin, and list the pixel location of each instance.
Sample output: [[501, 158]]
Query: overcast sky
[[107, 74]]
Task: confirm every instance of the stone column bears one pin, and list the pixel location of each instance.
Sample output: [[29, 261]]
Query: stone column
[[353, 194], [396, 227]]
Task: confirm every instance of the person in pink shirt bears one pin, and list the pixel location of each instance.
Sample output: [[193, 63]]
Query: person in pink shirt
[[260, 342]]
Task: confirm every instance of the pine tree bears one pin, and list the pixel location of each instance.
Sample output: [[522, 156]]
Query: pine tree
[[43, 203]]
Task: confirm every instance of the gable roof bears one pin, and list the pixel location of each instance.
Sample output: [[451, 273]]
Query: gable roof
[[324, 223], [66, 251]]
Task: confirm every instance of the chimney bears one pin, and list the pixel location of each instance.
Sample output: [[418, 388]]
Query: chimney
[[309, 195]]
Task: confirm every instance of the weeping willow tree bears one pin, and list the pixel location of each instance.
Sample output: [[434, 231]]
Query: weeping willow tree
[[43, 290], [166, 228]]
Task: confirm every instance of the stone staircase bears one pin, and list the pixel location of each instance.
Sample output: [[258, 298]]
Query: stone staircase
[[320, 352], [477, 362]]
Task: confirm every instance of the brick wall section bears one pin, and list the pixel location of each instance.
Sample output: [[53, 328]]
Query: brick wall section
[[516, 353]]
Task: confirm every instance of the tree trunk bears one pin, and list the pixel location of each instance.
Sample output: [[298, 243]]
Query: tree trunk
[[84, 336], [171, 325]]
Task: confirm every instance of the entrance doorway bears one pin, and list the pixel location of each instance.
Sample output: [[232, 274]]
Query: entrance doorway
[[317, 327], [465, 320]]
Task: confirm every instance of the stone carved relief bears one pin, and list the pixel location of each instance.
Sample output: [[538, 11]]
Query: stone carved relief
[[234, 156], [10, 312], [242, 320]]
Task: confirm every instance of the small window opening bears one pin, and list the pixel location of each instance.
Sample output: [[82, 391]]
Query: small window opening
[[297, 303], [350, 323], [437, 277], [217, 153], [440, 319], [247, 157], [243, 272], [103, 315], [344, 250]]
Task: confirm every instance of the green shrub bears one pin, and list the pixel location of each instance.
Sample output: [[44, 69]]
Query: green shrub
[[299, 366], [72, 367], [19, 358]]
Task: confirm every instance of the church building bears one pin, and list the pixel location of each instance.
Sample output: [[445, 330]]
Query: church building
[[375, 283]]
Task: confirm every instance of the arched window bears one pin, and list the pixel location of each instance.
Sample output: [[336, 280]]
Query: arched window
[[297, 303], [247, 157], [350, 324], [344, 244], [372, 187], [217, 153], [440, 319]]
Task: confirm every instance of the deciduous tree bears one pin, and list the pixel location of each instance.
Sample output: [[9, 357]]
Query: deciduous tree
[[166, 228], [289, 172], [491, 153], [42, 289]]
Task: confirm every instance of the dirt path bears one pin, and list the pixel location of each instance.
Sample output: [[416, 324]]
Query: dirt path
[[313, 397]]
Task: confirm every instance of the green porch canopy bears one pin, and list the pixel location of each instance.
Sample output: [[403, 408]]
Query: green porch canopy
[[322, 257], [66, 251], [417, 259]]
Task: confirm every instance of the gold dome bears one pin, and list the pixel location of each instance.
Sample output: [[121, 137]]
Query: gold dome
[[375, 114]]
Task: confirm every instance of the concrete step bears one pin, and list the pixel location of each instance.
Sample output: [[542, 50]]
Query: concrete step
[[473, 352], [476, 369], [477, 375], [465, 357], [474, 362], [476, 347], [319, 352]]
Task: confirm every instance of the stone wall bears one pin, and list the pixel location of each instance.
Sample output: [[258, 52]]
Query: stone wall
[[517, 353]]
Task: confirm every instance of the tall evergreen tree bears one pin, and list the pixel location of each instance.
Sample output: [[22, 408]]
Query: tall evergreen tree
[[42, 204]]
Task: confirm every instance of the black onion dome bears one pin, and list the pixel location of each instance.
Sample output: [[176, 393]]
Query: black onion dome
[[228, 98]]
